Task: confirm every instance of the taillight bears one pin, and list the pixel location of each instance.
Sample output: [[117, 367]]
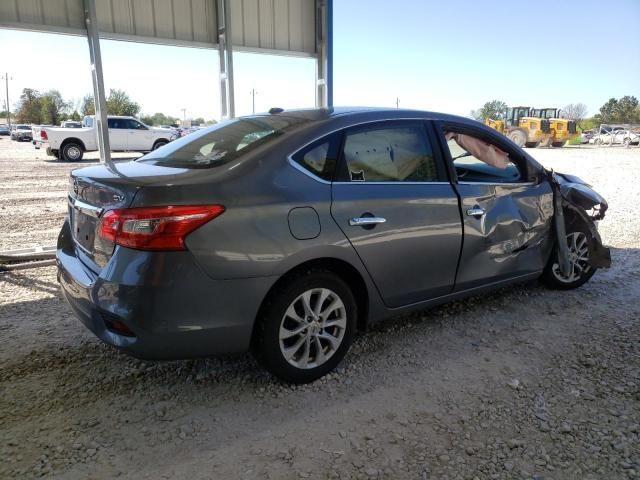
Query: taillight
[[155, 228], [43, 135]]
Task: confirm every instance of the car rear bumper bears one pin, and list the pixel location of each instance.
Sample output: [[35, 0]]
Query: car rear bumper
[[172, 309]]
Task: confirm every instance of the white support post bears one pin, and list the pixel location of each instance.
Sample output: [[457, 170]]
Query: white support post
[[225, 50], [324, 52], [99, 97]]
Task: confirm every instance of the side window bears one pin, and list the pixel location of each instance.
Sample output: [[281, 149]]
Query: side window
[[389, 154], [135, 125], [476, 160], [111, 122], [319, 158]]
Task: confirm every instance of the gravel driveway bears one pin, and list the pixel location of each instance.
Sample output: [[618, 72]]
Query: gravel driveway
[[521, 383]]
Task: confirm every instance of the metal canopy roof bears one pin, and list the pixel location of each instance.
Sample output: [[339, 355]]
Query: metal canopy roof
[[271, 26]]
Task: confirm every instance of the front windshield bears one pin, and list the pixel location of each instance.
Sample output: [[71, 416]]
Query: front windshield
[[221, 143]]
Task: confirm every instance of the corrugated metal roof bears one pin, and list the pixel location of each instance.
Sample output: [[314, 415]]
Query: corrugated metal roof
[[284, 25]]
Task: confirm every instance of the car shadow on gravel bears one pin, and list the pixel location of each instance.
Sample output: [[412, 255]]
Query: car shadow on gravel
[[30, 283]]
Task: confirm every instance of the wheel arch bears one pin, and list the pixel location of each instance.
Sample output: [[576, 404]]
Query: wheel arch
[[157, 140], [66, 141], [343, 269]]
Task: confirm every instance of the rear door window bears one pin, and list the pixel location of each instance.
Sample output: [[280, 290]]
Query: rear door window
[[389, 152]]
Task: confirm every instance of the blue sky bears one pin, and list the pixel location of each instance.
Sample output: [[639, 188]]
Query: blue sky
[[446, 56]]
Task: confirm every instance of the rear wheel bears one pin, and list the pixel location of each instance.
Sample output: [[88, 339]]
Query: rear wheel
[[71, 152], [580, 271], [306, 328], [546, 142], [518, 137], [159, 143], [558, 144], [532, 144]]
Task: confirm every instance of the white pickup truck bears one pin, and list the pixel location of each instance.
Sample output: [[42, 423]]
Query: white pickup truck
[[126, 134]]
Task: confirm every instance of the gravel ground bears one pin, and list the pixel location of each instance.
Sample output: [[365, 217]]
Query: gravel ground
[[521, 383]]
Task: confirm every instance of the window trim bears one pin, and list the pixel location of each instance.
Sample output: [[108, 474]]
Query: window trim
[[520, 160]]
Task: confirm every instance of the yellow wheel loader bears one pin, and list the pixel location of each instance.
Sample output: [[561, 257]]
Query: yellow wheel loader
[[522, 128], [562, 129]]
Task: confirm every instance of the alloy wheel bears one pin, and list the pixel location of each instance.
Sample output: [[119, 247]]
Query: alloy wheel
[[312, 328], [578, 258]]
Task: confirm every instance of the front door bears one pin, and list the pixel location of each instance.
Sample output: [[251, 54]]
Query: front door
[[507, 217], [392, 200], [140, 137]]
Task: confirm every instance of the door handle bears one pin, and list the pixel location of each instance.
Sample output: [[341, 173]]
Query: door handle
[[476, 212], [366, 221]]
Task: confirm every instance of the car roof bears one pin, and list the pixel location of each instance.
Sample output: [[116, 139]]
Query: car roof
[[319, 114]]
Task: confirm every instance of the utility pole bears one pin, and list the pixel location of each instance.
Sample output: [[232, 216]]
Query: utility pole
[[6, 80], [253, 100], [397, 102], [184, 115]]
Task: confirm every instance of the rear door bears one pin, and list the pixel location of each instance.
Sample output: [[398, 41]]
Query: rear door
[[392, 200], [506, 214], [118, 133]]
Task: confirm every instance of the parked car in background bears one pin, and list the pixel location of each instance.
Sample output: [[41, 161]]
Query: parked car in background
[[586, 135], [22, 133], [617, 136], [125, 134], [4, 130], [287, 232]]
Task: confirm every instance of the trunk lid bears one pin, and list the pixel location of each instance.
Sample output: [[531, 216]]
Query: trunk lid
[[94, 190]]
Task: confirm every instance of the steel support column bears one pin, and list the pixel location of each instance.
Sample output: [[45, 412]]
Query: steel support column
[[324, 50], [225, 50], [100, 123]]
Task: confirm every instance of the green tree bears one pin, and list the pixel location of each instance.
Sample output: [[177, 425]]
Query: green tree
[[75, 116], [88, 106], [197, 121], [147, 119], [29, 107], [494, 109], [52, 108], [119, 103], [624, 110]]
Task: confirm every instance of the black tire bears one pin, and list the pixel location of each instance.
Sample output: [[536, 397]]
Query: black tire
[[518, 137], [71, 152], [551, 277], [532, 144], [558, 144], [159, 143], [56, 154], [268, 346]]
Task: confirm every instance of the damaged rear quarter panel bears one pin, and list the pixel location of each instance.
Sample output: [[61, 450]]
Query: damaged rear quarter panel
[[513, 237]]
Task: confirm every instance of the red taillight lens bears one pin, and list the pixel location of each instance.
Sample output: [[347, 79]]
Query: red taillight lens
[[43, 135], [155, 228]]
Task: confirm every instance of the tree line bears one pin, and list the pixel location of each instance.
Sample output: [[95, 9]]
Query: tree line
[[623, 110], [49, 108]]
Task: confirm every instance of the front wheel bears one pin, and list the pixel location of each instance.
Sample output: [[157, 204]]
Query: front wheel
[[580, 271], [532, 144], [71, 152], [558, 144], [518, 137], [306, 328]]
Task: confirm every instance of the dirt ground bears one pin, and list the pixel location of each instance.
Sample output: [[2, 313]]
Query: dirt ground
[[521, 383]]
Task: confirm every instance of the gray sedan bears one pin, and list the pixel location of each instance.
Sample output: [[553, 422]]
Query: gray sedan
[[287, 232]]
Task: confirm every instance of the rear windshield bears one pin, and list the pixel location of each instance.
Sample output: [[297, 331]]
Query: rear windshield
[[24, 127], [222, 143]]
